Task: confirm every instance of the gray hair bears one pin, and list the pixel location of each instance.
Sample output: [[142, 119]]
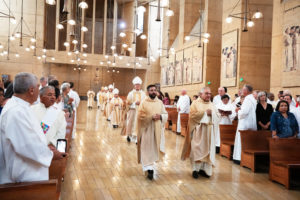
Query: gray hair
[[45, 89], [43, 79], [23, 82], [260, 94], [203, 89], [249, 87], [64, 86]]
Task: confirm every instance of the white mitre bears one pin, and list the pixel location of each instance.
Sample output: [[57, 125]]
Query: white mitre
[[137, 80], [115, 91]]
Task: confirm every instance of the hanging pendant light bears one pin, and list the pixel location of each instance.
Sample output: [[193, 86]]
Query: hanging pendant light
[[83, 5], [51, 2], [158, 12], [257, 15]]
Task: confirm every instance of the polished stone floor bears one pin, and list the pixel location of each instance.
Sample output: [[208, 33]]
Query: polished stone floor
[[102, 165]]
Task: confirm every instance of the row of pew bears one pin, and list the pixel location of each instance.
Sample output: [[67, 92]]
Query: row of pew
[[281, 155], [42, 190]]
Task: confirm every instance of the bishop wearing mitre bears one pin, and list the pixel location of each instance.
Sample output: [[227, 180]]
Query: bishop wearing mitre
[[150, 122], [199, 143], [100, 98], [116, 104], [90, 96], [134, 98]]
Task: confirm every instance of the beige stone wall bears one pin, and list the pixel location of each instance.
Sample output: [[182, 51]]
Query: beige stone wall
[[277, 49], [254, 46], [213, 25]]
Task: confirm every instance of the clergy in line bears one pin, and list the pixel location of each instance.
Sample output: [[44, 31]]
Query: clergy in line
[[150, 122], [218, 98], [104, 100], [225, 114], [24, 154], [109, 96], [90, 96], [52, 120], [134, 98], [183, 106], [100, 98], [74, 95], [116, 104], [247, 120], [199, 143]]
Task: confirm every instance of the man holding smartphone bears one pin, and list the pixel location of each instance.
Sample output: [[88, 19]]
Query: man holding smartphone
[[24, 154]]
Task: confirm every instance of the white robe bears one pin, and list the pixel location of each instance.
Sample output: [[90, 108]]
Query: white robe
[[247, 121], [296, 112], [131, 122], [222, 119], [217, 100], [24, 154], [74, 95], [184, 105], [57, 129], [90, 98]]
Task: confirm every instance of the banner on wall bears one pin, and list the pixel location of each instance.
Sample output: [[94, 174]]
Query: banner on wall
[[291, 45], [179, 68], [229, 58], [197, 72], [171, 70], [187, 65]]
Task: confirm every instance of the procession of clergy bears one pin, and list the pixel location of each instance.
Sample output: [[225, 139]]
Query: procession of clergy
[[30, 126]]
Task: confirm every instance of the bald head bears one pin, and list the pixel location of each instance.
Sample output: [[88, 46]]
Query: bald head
[[221, 91], [183, 92]]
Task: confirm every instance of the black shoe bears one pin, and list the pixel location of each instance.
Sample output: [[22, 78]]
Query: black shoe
[[150, 174], [115, 126], [195, 174], [238, 162], [217, 149], [128, 139], [203, 173], [107, 120]]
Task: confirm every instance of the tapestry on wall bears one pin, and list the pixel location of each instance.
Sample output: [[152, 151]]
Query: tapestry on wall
[[171, 70], [164, 72], [291, 45], [229, 58], [179, 68], [197, 64], [187, 65]]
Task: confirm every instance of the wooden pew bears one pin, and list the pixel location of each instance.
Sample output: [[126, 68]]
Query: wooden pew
[[70, 125], [184, 120], [57, 170], [254, 144], [174, 116], [227, 136], [42, 190], [284, 157], [169, 121]]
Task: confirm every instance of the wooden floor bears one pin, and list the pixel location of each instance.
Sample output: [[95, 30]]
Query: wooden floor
[[102, 165]]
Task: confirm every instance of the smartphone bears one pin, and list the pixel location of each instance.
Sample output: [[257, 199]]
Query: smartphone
[[61, 145]]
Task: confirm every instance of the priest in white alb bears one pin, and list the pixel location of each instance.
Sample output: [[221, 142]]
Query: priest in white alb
[[116, 104], [183, 106], [24, 154], [225, 114], [74, 95], [150, 122], [109, 96], [100, 98], [52, 120], [134, 98], [221, 92], [90, 96], [104, 100], [247, 120], [199, 143]]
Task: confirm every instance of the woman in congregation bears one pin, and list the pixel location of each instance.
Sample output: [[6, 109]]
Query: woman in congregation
[[166, 99], [283, 122], [264, 111], [67, 101]]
